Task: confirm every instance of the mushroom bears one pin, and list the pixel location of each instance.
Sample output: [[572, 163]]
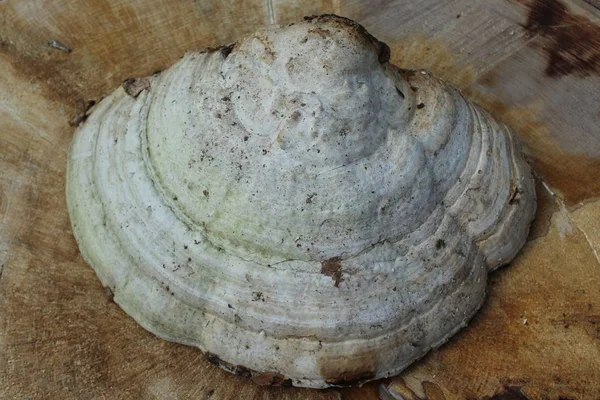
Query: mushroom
[[297, 207]]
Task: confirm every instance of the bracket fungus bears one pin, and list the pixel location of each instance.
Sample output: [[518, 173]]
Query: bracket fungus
[[297, 207]]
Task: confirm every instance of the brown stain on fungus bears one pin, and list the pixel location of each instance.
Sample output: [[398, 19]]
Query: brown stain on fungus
[[571, 42], [321, 32], [333, 268], [352, 369]]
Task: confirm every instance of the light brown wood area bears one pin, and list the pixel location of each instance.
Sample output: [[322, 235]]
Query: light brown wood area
[[534, 63]]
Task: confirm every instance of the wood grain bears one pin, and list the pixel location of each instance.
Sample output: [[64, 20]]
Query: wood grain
[[538, 335]]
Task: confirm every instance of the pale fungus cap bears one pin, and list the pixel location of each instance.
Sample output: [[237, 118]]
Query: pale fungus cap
[[297, 207]]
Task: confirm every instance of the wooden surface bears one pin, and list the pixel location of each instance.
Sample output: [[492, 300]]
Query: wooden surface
[[536, 64]]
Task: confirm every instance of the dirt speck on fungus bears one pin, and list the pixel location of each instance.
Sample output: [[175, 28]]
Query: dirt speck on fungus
[[333, 269], [83, 107], [226, 50], [135, 86], [382, 49]]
